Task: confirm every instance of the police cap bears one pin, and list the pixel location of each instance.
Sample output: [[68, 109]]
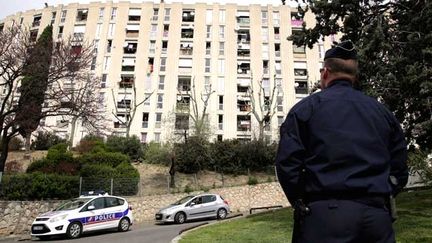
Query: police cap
[[344, 50]]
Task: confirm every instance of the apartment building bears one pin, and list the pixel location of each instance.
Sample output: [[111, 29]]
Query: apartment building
[[171, 51]]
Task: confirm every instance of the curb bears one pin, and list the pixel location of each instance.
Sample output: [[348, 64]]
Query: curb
[[178, 238]]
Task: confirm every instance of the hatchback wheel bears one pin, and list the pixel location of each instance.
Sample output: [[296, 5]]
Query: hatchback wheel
[[124, 225], [180, 218], [74, 230], [221, 213]]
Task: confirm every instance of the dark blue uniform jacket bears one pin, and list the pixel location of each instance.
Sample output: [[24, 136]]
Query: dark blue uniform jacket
[[345, 142]]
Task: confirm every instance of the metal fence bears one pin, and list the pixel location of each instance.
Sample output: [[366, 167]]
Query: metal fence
[[113, 186]]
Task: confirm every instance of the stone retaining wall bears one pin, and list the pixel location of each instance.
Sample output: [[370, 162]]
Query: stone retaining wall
[[17, 216]]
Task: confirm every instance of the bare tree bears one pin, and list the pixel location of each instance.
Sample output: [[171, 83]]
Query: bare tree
[[129, 107], [263, 102], [71, 59], [197, 108]]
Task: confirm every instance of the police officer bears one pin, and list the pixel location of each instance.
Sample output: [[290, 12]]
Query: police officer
[[338, 150]]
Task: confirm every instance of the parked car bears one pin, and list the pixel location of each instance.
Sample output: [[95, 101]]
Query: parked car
[[194, 207], [83, 214]]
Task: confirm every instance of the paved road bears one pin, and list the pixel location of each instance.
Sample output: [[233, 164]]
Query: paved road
[[143, 233]]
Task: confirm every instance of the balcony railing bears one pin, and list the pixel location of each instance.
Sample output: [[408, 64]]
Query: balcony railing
[[186, 51], [145, 124]]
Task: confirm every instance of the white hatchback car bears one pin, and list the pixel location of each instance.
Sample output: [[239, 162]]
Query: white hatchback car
[[83, 214]]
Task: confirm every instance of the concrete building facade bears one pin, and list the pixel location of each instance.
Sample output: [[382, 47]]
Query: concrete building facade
[[170, 52]]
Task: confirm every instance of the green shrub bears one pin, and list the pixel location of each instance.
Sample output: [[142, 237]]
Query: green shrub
[[98, 171], [45, 140], [188, 189], [38, 186], [15, 144], [252, 180], [107, 158], [192, 156], [58, 160], [224, 157], [89, 144], [126, 145], [126, 170], [155, 153]]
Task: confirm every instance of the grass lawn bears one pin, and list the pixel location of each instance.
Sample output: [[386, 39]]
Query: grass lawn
[[414, 224]]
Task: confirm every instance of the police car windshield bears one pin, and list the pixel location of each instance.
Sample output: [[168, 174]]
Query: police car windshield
[[72, 204], [183, 200]]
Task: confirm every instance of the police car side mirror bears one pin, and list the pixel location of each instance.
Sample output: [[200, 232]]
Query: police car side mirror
[[91, 207]]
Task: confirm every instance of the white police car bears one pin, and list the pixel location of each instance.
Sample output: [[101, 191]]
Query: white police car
[[83, 214]]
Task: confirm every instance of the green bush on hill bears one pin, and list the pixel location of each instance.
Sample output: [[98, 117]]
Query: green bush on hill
[[126, 145]]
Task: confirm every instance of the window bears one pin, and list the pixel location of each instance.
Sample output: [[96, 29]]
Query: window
[[207, 199], [276, 18], [155, 14], [93, 64], [111, 202], [63, 16], [60, 32], [182, 122], [221, 85], [113, 13], [107, 62], [300, 69], [53, 17], [152, 47], [158, 120], [104, 80], [36, 20], [98, 30], [143, 137], [186, 48], [208, 47], [109, 46], [162, 65], [264, 34], [207, 84], [301, 86], [280, 120], [164, 47], [145, 120], [161, 82], [277, 50], [82, 15], [264, 17], [279, 103], [159, 103], [111, 29], [243, 17], [222, 16], [187, 32], [278, 67], [153, 31], [221, 31], [209, 16], [220, 122], [167, 14], [101, 13], [98, 203], [147, 99], [208, 31], [221, 48], [166, 30], [221, 66], [221, 102], [207, 65], [243, 123], [157, 137], [276, 33]]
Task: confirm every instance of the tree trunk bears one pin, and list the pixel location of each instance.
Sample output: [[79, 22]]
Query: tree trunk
[[72, 134], [261, 130], [172, 172], [128, 129], [27, 145], [4, 153]]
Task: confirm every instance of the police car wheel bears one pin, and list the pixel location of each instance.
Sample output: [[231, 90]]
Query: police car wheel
[[221, 213], [74, 230], [124, 225], [180, 218]]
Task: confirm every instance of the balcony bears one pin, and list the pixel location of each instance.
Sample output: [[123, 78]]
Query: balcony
[[145, 124], [187, 33], [301, 87], [188, 16], [82, 15], [133, 18], [187, 51], [242, 20], [132, 33], [185, 70], [182, 107], [244, 108], [128, 68], [126, 82], [124, 104], [130, 48], [36, 23]]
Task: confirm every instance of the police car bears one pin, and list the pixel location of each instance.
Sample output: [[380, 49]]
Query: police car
[[83, 214]]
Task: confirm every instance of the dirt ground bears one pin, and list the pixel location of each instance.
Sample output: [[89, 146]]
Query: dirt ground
[[155, 178]]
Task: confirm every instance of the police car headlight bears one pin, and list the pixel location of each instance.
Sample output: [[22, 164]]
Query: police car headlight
[[58, 218]]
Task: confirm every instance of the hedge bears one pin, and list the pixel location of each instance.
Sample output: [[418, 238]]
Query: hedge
[[39, 186]]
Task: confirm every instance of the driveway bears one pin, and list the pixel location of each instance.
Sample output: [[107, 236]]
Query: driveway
[[140, 233]]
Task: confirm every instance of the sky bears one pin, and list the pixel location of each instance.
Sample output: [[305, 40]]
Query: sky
[[8, 7]]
